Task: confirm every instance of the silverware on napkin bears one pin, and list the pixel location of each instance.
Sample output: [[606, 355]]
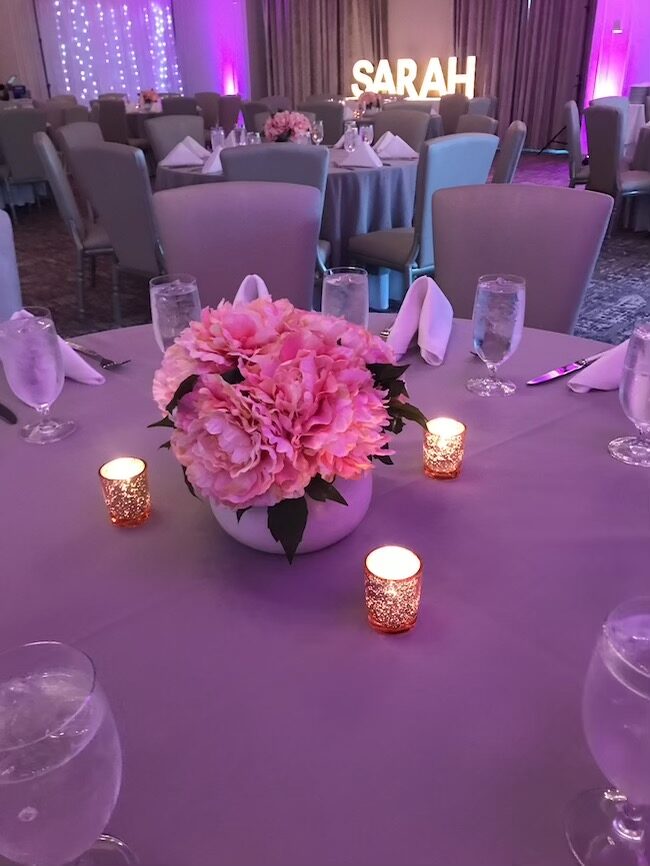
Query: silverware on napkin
[[565, 370], [104, 363], [7, 415]]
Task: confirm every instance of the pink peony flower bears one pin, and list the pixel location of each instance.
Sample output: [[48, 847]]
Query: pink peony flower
[[286, 126]]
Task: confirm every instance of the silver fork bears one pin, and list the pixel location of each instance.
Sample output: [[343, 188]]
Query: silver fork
[[104, 363]]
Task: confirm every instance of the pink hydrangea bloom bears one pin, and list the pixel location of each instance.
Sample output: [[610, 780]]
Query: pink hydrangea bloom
[[286, 125]]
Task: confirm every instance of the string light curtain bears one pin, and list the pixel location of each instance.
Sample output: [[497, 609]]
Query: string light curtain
[[99, 46]]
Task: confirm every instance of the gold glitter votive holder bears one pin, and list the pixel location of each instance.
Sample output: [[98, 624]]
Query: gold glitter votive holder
[[126, 490], [393, 587], [444, 446]]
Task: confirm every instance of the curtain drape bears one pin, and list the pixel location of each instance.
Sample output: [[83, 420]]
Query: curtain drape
[[311, 46]]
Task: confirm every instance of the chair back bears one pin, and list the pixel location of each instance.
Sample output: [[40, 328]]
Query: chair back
[[60, 185], [122, 97], [260, 121], [483, 105], [452, 108], [10, 298], [647, 109], [276, 103], [162, 93], [74, 135], [68, 99], [249, 110], [208, 102], [549, 235], [572, 123], [331, 113], [112, 120], [423, 105], [53, 109], [412, 126], [451, 160], [229, 108], [507, 160], [620, 102], [605, 124], [639, 93], [76, 114], [322, 97], [220, 232], [116, 179], [180, 105], [17, 131], [477, 123], [166, 131]]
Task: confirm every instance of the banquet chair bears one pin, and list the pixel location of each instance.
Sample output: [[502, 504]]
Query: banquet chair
[[423, 105], [452, 160], [259, 121], [331, 114], [68, 99], [620, 102], [74, 135], [276, 103], [89, 238], [54, 111], [166, 131], [483, 105], [647, 109], [639, 93], [10, 298], [452, 107], [22, 164], [113, 123], [179, 105], [411, 126], [578, 173], [477, 123], [76, 114], [208, 102], [220, 232], [116, 179], [120, 97], [249, 110], [229, 108], [507, 159], [549, 235]]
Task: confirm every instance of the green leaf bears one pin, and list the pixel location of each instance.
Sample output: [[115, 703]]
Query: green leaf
[[286, 521], [322, 490], [164, 422], [184, 388], [241, 511], [411, 413], [383, 458], [233, 377], [187, 483], [384, 373], [165, 445]]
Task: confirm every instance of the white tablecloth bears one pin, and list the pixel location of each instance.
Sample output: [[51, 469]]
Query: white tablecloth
[[635, 122]]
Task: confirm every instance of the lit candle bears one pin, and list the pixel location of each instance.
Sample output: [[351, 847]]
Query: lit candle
[[444, 445], [126, 490], [393, 585]]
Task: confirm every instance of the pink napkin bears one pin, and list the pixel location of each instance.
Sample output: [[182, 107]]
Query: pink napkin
[[212, 164], [180, 156], [363, 157], [427, 312], [252, 287], [604, 374]]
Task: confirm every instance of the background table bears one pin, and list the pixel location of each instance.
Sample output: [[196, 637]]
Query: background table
[[263, 722]]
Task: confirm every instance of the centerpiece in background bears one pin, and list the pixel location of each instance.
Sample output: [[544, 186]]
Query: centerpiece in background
[[369, 103], [148, 98], [277, 415], [287, 126]]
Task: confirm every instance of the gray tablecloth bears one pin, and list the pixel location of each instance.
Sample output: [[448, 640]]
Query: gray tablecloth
[[262, 721], [637, 210]]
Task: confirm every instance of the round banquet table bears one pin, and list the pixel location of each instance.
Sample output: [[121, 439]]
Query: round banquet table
[[263, 722]]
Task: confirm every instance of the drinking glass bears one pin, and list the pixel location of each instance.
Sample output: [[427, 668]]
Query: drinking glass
[[345, 294], [367, 132], [606, 827], [317, 132], [350, 137], [60, 759], [175, 303], [634, 393], [34, 369], [253, 138], [240, 135], [217, 137], [498, 325]]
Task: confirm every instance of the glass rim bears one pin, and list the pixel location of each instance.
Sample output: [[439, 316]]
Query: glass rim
[[607, 634], [44, 312], [508, 279], [332, 272], [82, 705], [417, 573], [170, 279]]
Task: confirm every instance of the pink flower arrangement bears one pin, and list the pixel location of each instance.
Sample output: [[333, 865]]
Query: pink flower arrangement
[[286, 126], [266, 401], [149, 96], [370, 99]]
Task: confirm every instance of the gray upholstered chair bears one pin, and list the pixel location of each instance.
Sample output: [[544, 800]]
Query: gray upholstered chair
[[452, 108], [208, 102], [180, 105], [121, 97], [411, 126], [22, 164], [477, 123], [229, 108], [116, 179], [249, 110], [620, 102], [68, 99], [75, 135], [276, 103], [259, 121], [483, 105], [89, 238], [639, 93], [423, 105], [550, 235], [166, 131], [647, 109], [452, 160], [54, 111], [112, 120], [578, 173], [76, 114], [507, 159], [220, 232], [331, 114], [10, 298]]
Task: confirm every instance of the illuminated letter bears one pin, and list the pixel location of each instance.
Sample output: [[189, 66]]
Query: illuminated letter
[[384, 82], [362, 72], [433, 81], [407, 69], [468, 79]]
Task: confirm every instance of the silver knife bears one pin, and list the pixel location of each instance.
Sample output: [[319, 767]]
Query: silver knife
[[573, 367]]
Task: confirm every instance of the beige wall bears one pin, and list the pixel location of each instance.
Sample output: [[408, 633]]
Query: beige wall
[[19, 50], [420, 29]]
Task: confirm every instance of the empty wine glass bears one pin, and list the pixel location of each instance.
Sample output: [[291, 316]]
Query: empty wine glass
[[317, 132], [610, 828], [498, 325], [175, 303], [367, 132], [217, 137], [33, 365], [60, 759], [345, 294], [350, 139], [634, 394]]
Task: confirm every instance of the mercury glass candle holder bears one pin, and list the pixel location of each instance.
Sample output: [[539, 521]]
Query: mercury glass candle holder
[[444, 446], [126, 490], [393, 587]]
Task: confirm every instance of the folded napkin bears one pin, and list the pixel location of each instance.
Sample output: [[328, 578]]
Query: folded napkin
[[363, 157], [252, 288], [604, 374], [74, 365], [339, 143], [230, 139], [212, 164], [424, 310], [196, 148], [392, 146], [179, 156]]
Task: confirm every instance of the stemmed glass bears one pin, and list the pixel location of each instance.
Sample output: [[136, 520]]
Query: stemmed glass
[[239, 135], [367, 132], [634, 393], [31, 354], [60, 759], [345, 294], [350, 138], [175, 303], [317, 132], [605, 828], [498, 325]]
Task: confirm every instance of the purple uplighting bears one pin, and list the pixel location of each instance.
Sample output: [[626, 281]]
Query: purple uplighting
[[620, 53]]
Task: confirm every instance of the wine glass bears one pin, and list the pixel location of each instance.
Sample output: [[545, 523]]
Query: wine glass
[[317, 132], [634, 394], [217, 137], [33, 365], [60, 759], [253, 138], [350, 138], [240, 135], [367, 132], [498, 325], [175, 303], [345, 294], [605, 827]]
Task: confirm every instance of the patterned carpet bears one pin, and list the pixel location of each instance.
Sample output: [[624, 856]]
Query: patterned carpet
[[619, 293]]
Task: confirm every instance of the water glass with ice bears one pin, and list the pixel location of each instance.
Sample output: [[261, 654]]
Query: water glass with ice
[[217, 137], [253, 138], [240, 135], [175, 303], [634, 393], [345, 294]]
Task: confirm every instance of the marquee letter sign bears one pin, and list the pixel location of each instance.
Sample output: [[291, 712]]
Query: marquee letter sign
[[403, 83]]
